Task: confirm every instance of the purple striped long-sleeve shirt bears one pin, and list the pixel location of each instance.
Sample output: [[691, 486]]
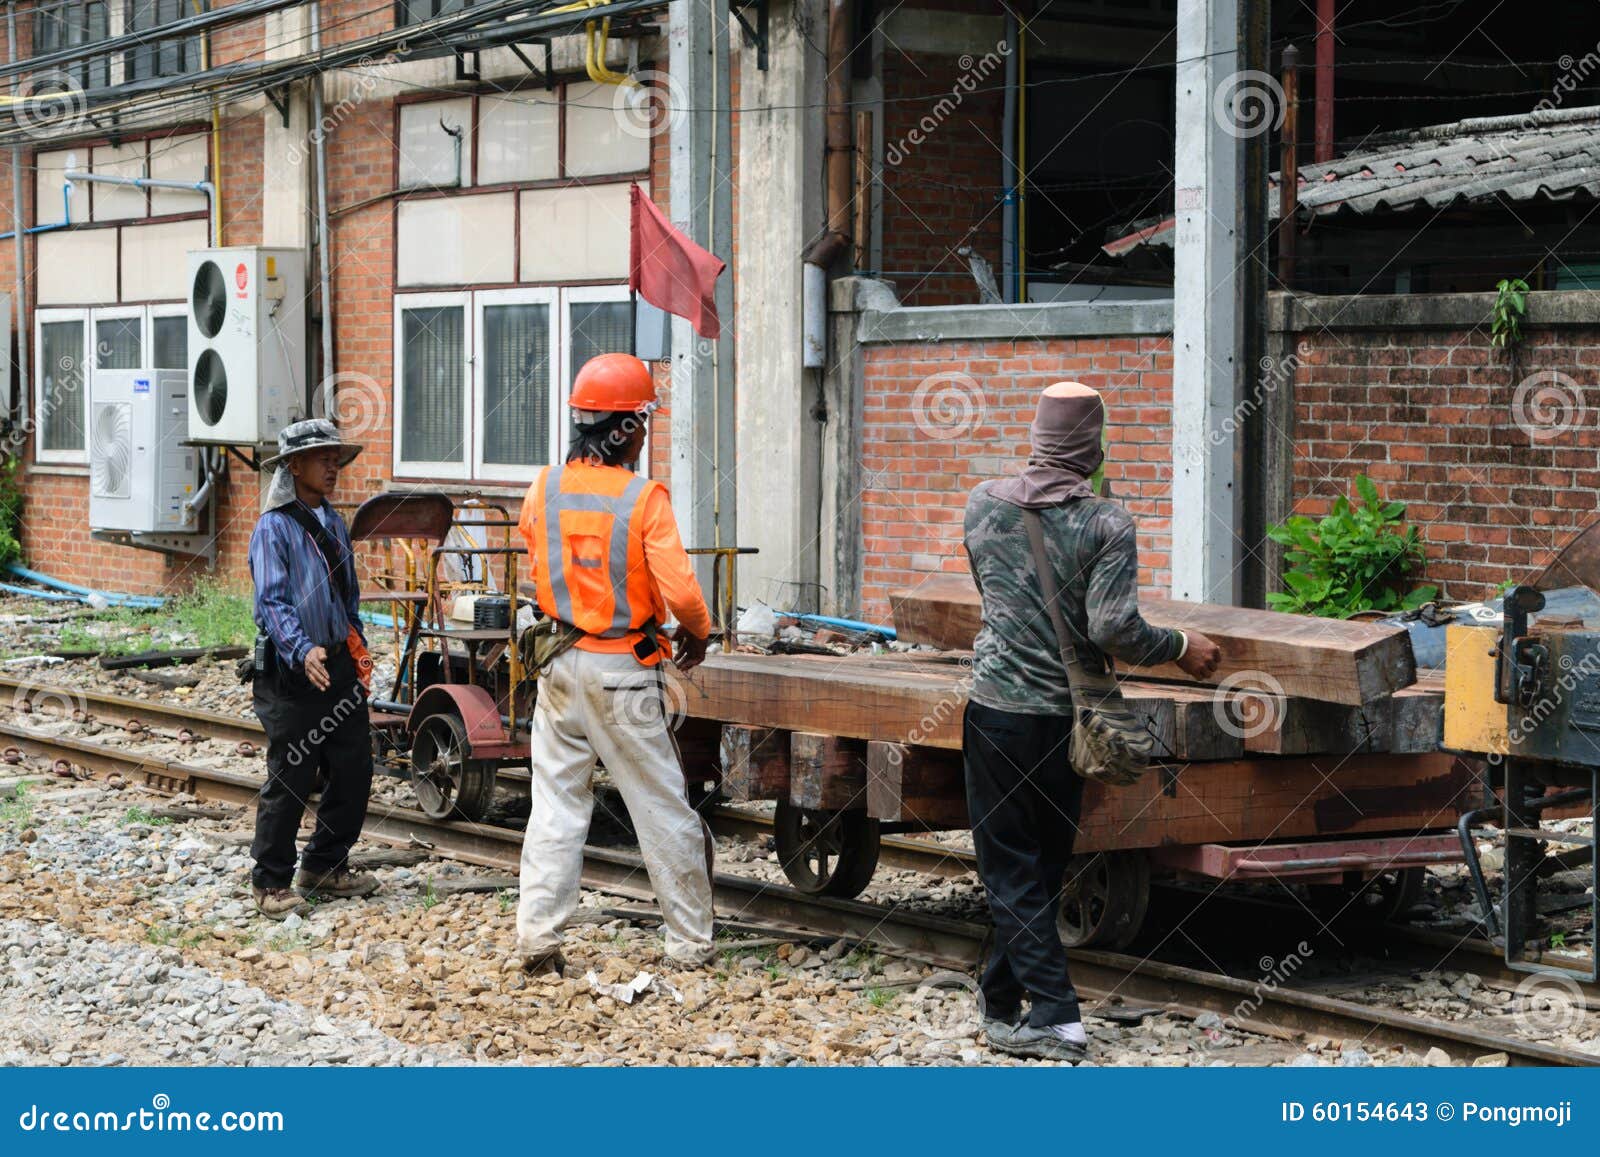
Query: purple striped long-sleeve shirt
[[297, 603]]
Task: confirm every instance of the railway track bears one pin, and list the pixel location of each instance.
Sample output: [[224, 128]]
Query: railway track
[[1276, 1012]]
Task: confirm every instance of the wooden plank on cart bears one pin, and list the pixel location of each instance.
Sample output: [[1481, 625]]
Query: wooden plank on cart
[[1326, 659], [827, 772], [1276, 798], [755, 763], [919, 705], [923, 786]]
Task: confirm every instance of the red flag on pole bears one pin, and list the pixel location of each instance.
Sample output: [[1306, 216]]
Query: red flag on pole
[[670, 271]]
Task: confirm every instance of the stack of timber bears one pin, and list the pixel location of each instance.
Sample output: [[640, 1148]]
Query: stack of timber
[[1310, 717]]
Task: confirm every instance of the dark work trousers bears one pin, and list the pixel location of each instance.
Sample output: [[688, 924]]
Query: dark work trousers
[[311, 735], [1024, 800]]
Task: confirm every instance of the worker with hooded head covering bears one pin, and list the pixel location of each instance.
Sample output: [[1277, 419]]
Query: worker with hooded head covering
[[308, 676], [1022, 792]]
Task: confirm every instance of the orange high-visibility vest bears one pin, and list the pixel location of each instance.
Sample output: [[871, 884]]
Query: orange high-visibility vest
[[588, 549]]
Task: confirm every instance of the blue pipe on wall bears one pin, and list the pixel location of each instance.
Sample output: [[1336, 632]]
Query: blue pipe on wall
[[66, 218]]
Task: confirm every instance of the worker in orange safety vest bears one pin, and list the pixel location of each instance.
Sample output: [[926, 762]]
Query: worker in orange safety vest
[[608, 565]]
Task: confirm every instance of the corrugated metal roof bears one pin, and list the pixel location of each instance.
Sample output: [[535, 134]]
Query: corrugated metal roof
[[1552, 155]]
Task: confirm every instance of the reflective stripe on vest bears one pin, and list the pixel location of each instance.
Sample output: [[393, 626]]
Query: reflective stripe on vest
[[620, 507]]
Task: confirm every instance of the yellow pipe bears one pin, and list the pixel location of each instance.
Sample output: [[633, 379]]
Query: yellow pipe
[[595, 61]]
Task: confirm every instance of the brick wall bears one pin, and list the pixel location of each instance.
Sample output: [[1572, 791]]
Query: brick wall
[[942, 417], [360, 148], [942, 192], [1432, 416]]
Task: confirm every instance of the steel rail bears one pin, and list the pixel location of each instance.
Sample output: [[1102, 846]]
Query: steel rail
[[120, 710], [1250, 1006]]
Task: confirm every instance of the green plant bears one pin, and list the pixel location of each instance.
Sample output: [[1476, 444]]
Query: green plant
[[137, 815], [17, 811], [430, 898], [10, 512], [508, 900], [1358, 558], [880, 997], [216, 615], [1510, 310]]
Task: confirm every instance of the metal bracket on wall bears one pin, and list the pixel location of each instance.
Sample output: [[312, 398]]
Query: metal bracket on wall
[[462, 72], [758, 33], [280, 101], [548, 73]]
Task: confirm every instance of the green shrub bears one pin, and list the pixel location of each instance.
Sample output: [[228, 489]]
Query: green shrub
[[1359, 558], [10, 512]]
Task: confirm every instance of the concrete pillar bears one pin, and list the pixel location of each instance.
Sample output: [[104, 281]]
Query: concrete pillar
[[701, 143], [1207, 325], [780, 404], [840, 541]]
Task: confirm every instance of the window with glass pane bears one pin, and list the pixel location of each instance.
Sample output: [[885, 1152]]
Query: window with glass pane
[[516, 385], [61, 377], [170, 337], [67, 25], [416, 11], [433, 384], [116, 343], [170, 57], [598, 327]]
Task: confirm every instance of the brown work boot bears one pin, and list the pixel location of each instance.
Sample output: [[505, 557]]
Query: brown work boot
[[549, 962], [276, 903], [341, 884]]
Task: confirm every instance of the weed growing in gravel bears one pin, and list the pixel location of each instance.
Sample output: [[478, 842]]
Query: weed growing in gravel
[[137, 815], [507, 899], [879, 997], [211, 615], [17, 811], [160, 935], [430, 898]]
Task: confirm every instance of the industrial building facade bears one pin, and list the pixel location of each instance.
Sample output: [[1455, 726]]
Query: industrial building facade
[[477, 253]]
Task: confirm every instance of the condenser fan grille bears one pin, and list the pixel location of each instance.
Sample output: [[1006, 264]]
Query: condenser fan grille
[[210, 387], [111, 463], [209, 298]]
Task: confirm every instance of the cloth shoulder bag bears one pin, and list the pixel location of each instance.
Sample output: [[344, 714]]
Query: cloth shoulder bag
[[1109, 744]]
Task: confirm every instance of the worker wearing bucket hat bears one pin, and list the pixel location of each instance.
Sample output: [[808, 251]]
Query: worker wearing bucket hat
[[308, 675]]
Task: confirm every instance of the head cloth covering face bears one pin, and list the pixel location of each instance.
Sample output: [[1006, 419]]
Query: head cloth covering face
[[1067, 450]]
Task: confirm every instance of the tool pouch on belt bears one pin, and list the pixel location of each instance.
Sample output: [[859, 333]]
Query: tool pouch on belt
[[546, 641], [1108, 742]]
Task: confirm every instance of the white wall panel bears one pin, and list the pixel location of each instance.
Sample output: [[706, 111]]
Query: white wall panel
[[117, 202], [427, 152], [47, 182], [601, 139], [78, 267], [458, 240], [178, 159], [574, 234], [154, 259], [518, 137]]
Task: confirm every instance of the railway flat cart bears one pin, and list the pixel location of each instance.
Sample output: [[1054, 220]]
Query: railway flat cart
[[456, 713]]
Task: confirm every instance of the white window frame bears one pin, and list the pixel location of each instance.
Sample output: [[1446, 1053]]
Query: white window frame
[[42, 318], [460, 468], [471, 467], [139, 313], [550, 298], [582, 294], [176, 309]]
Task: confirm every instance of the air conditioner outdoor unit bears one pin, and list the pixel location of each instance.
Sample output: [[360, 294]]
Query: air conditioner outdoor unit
[[247, 340], [140, 473]]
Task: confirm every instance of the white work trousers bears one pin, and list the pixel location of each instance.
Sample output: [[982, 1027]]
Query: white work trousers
[[609, 708]]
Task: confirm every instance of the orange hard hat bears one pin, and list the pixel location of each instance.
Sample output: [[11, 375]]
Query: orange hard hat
[[614, 382]]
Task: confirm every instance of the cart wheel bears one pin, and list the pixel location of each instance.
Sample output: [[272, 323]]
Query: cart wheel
[[1378, 900], [448, 782], [826, 853], [1104, 897]]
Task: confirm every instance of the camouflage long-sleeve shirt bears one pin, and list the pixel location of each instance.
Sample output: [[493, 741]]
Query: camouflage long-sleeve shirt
[[1090, 541]]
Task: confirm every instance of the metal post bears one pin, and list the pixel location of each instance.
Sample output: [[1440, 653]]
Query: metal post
[[702, 206], [19, 243], [1324, 129], [1289, 185]]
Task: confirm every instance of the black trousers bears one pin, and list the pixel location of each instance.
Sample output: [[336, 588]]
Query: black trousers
[[311, 735], [1024, 799]]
